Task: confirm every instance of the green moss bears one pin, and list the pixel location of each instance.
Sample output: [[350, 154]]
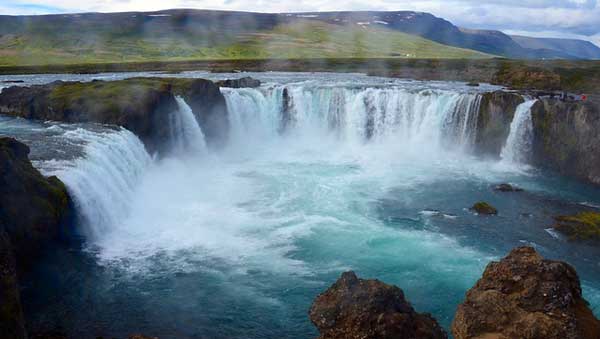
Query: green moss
[[484, 208], [582, 226]]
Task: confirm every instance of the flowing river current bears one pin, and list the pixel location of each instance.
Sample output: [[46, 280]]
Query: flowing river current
[[322, 173]]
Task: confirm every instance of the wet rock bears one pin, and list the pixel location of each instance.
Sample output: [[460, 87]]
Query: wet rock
[[246, 82], [142, 105], [566, 138], [484, 208], [526, 296], [496, 113], [33, 212], [582, 226], [12, 324], [208, 104], [473, 84], [354, 308], [507, 188]]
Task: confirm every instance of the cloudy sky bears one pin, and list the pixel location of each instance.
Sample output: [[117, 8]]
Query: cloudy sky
[[554, 18]]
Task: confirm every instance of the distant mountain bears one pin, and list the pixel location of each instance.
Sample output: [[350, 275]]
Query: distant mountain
[[195, 35], [437, 29], [184, 34], [578, 49]]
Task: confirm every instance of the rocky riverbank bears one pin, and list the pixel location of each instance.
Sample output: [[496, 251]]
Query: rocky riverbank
[[34, 211], [142, 105], [521, 296]]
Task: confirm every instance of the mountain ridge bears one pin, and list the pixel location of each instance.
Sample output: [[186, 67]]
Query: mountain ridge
[[188, 34]]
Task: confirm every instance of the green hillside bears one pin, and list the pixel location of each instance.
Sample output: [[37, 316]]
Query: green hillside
[[299, 39]]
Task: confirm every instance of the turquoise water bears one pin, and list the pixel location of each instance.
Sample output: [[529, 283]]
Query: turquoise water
[[236, 243]]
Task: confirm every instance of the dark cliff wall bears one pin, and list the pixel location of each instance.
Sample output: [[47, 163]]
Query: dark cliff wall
[[496, 112], [142, 105], [33, 212], [209, 107], [567, 138]]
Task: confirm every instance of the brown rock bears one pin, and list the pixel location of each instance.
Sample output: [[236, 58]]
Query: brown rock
[[484, 208], [354, 308], [526, 296]]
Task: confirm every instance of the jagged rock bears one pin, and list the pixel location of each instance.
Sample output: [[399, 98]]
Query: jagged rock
[[507, 188], [526, 296], [496, 113], [566, 138], [583, 226], [354, 308], [245, 82], [484, 208], [33, 210]]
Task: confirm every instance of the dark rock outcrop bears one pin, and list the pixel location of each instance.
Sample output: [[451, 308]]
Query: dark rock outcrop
[[369, 309], [142, 105], [12, 324], [566, 138], [484, 208], [526, 296], [507, 188], [245, 82], [209, 107], [496, 113], [583, 226], [34, 210]]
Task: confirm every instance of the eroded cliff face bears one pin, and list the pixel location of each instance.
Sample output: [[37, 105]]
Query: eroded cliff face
[[567, 138], [142, 105], [34, 210], [496, 113]]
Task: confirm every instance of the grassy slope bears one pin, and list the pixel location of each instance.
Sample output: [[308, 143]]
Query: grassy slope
[[304, 39]]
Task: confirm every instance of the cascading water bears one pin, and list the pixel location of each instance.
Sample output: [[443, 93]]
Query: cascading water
[[517, 149], [319, 177], [102, 183], [186, 133], [412, 119]]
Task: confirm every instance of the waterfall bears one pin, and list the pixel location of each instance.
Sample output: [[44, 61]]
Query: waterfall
[[518, 144], [412, 119], [186, 134], [102, 183]]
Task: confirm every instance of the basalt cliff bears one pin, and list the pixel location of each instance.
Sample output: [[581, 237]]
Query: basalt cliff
[[34, 211]]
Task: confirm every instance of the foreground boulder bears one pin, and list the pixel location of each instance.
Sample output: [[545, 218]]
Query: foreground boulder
[[33, 211], [142, 105], [526, 296], [582, 226], [369, 309]]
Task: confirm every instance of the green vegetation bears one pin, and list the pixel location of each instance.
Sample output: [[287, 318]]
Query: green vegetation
[[302, 39], [583, 226]]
